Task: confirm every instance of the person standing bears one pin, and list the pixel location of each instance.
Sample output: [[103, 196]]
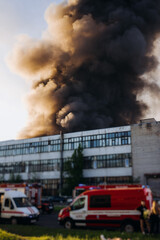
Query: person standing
[[142, 208], [154, 218]]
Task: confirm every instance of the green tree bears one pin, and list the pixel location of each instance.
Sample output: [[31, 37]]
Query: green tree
[[15, 178], [74, 170]]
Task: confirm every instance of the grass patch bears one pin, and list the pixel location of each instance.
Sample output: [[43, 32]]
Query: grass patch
[[9, 236], [57, 208], [44, 233]]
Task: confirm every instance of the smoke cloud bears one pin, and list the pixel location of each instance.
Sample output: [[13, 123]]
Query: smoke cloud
[[88, 68]]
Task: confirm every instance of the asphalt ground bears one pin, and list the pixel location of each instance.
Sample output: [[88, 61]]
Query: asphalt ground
[[49, 220]]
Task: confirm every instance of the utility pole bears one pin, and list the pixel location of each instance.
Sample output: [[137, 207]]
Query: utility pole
[[61, 164]]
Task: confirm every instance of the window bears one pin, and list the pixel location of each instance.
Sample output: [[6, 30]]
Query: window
[[22, 202], [107, 161], [100, 201], [7, 202], [126, 162], [78, 204]]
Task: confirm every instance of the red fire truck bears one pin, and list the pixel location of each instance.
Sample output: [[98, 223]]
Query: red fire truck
[[110, 207]]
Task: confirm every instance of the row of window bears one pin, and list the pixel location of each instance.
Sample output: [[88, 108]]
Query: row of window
[[107, 164], [106, 161], [108, 180], [31, 166], [30, 150], [92, 162], [44, 165], [31, 144], [98, 137], [98, 143], [101, 140], [12, 168], [51, 186]]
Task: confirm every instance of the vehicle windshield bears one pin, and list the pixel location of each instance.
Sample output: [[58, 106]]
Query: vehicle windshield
[[78, 204], [22, 202]]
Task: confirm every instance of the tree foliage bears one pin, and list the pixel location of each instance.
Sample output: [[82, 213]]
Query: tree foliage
[[74, 170], [15, 178]]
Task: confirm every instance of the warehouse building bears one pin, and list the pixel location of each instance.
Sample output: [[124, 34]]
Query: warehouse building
[[113, 155]]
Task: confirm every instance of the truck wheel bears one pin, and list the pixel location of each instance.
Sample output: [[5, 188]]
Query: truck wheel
[[68, 224], [13, 221], [128, 227]]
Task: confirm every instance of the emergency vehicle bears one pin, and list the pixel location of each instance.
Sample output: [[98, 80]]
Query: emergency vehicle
[[32, 191], [107, 208], [81, 187], [16, 208]]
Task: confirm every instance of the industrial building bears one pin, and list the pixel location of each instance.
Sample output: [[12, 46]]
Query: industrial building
[[123, 154]]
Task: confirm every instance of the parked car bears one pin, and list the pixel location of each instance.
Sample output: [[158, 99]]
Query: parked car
[[57, 199], [69, 200], [47, 206]]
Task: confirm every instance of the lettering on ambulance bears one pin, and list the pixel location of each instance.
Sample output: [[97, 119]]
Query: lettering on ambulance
[[110, 217], [112, 213], [79, 209]]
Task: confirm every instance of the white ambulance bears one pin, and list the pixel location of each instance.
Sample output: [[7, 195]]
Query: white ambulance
[[16, 208]]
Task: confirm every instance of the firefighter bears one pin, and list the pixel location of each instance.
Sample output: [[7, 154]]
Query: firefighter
[[154, 218], [142, 208]]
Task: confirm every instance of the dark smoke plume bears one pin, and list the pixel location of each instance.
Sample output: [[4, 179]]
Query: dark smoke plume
[[88, 68]]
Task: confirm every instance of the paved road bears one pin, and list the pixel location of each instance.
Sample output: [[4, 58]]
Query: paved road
[[49, 220]]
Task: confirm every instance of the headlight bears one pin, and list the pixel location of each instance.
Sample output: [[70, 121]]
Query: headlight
[[33, 215], [25, 215], [61, 211]]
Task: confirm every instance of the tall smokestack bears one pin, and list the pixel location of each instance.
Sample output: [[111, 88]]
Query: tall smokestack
[[89, 67]]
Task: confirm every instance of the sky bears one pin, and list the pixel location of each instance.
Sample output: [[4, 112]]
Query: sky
[[26, 17], [17, 17]]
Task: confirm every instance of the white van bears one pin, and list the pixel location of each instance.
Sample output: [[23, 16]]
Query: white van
[[15, 208]]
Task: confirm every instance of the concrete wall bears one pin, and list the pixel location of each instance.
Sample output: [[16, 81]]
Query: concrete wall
[[145, 148]]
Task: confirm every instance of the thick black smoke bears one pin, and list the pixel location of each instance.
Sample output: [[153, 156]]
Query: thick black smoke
[[90, 67]]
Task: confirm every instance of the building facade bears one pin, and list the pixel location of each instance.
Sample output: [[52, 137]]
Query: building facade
[[146, 153], [111, 155]]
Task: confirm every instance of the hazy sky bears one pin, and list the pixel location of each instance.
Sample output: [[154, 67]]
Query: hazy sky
[[17, 17]]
